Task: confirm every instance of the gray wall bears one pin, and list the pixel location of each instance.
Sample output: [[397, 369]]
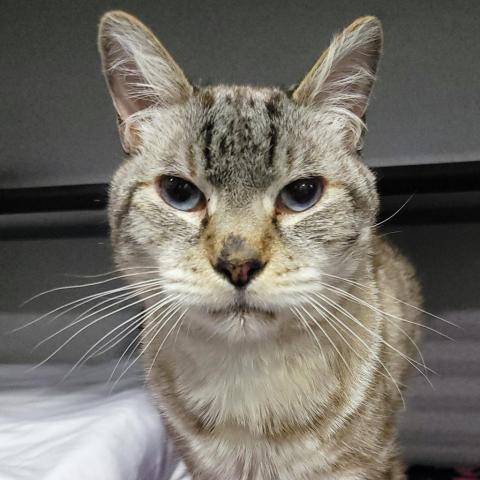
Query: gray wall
[[56, 127], [56, 119]]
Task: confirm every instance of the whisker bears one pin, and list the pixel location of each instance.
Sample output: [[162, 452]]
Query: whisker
[[137, 290], [188, 328], [83, 285], [328, 338], [385, 315], [332, 322], [86, 356], [164, 340], [78, 303], [381, 312], [361, 340], [124, 333], [146, 270], [178, 331], [83, 317], [411, 361], [394, 232], [394, 213], [362, 287], [145, 332], [309, 329], [78, 332], [324, 312], [156, 328]]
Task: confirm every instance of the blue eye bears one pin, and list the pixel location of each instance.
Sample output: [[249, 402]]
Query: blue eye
[[300, 195], [181, 194]]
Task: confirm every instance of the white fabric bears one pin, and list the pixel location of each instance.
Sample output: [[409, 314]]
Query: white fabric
[[76, 429]]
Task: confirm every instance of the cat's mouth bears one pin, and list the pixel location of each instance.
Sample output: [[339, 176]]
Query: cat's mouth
[[238, 318], [241, 309]]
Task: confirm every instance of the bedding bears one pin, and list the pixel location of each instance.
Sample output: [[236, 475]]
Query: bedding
[[81, 428], [76, 429]]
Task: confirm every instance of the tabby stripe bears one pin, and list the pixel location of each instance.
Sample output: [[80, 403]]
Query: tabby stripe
[[126, 204], [272, 111], [208, 141]]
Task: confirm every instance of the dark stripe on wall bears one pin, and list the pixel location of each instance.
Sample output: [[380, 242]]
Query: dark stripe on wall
[[54, 199], [429, 178], [443, 193]]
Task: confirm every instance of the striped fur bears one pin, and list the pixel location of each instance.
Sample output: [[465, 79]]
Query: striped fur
[[299, 376]]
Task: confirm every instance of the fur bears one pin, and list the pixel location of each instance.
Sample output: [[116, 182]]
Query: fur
[[299, 375]]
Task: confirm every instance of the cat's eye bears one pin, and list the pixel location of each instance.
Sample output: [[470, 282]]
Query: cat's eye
[[300, 195], [181, 194]]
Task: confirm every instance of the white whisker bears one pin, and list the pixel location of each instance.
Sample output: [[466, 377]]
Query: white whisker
[[329, 339], [155, 324], [78, 332], [145, 270], [137, 290], [334, 320], [78, 303], [358, 300], [364, 343], [359, 285], [385, 315], [156, 328], [309, 329], [124, 333], [83, 285], [394, 213], [411, 361], [83, 317], [164, 340], [140, 315]]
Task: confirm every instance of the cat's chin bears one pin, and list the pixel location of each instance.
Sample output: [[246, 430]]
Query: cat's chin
[[237, 323], [242, 313]]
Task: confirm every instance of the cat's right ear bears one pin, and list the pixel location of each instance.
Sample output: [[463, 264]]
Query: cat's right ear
[[139, 71]]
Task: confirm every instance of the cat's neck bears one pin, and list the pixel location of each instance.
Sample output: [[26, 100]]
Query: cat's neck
[[295, 374]]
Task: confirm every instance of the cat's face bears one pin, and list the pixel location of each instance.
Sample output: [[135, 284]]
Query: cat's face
[[243, 201]]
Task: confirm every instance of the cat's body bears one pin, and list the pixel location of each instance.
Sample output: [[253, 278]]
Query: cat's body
[[276, 335], [276, 411]]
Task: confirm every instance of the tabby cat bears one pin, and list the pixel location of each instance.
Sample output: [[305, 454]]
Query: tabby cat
[[276, 336]]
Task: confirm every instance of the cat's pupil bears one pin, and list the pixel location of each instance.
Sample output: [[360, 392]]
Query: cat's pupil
[[302, 191], [179, 190]]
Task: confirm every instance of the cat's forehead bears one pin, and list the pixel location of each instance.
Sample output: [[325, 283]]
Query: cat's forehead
[[239, 134]]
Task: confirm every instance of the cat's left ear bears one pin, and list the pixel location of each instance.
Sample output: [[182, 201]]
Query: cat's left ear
[[343, 76], [139, 71]]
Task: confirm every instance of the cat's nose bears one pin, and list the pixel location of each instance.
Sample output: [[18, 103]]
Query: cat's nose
[[239, 274]]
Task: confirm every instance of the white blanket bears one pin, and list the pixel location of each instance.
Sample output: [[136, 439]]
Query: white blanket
[[77, 429]]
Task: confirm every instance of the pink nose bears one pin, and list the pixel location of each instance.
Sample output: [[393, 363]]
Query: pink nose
[[239, 274]]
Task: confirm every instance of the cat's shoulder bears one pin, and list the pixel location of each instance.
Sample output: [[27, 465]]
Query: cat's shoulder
[[393, 268]]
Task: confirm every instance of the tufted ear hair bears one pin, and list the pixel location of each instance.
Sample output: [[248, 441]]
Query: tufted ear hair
[[342, 78], [138, 70]]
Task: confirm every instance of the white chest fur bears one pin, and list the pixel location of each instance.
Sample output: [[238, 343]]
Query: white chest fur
[[252, 400]]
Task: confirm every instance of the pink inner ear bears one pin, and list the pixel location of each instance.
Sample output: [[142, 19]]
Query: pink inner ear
[[123, 88], [344, 74], [347, 78]]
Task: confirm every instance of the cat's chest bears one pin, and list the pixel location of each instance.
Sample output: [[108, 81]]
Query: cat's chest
[[264, 414], [261, 392]]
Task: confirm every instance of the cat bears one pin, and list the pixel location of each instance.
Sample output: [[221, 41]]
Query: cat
[[276, 333]]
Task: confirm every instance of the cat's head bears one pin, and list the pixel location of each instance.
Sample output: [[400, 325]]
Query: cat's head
[[243, 201]]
